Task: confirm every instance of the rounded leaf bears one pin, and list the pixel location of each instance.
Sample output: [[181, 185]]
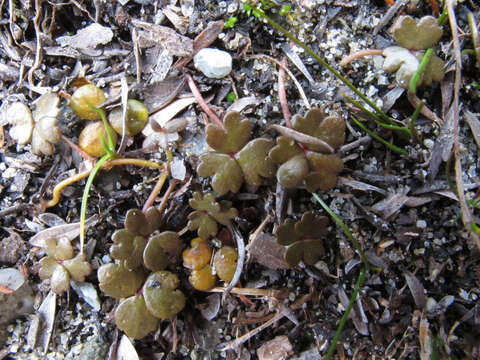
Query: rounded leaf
[[411, 34], [20, 117], [292, 173], [286, 233], [203, 279], [84, 96], [198, 255], [225, 262], [136, 222], [232, 137], [78, 267], [90, 139], [161, 250], [118, 282], [47, 266], [255, 162], [162, 298], [134, 319], [60, 280], [137, 116], [227, 174]]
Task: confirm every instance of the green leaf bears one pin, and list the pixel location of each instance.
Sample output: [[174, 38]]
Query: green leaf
[[230, 23], [118, 282], [162, 298], [292, 172], [208, 213], [233, 137], [161, 250], [330, 129], [324, 170], [417, 35], [285, 149], [254, 161], [134, 319], [227, 174]]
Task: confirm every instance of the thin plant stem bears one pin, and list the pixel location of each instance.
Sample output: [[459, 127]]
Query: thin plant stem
[[282, 94], [201, 101], [86, 191], [285, 32], [343, 320], [378, 138], [344, 228], [360, 54], [57, 190], [156, 190]]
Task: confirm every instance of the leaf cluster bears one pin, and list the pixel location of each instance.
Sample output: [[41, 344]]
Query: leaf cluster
[[61, 264], [208, 214], [414, 37], [303, 238], [138, 276], [306, 163], [198, 258], [236, 158]]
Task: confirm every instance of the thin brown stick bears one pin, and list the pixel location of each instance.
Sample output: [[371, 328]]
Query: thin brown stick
[[425, 111], [201, 101], [38, 50], [360, 54], [289, 73], [467, 218], [282, 93], [77, 148], [270, 293], [240, 340]]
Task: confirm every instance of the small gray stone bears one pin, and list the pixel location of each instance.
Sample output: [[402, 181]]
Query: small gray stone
[[213, 63]]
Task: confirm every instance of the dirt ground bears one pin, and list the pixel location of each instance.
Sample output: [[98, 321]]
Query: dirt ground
[[412, 210]]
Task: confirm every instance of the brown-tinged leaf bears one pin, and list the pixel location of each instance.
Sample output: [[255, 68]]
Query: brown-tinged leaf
[[205, 225], [309, 251], [227, 174], [285, 149], [268, 252], [67, 231], [278, 348], [330, 129], [134, 319], [311, 225], [306, 139], [417, 289], [255, 162], [286, 233], [434, 70], [324, 171], [292, 172], [161, 250], [412, 34], [233, 137], [128, 248]]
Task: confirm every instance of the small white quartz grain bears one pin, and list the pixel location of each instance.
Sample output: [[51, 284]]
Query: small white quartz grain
[[213, 63]]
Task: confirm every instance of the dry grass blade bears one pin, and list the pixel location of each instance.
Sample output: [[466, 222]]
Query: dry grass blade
[[241, 258], [467, 218], [67, 231]]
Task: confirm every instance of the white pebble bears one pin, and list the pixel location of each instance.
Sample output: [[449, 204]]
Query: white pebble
[[213, 63]]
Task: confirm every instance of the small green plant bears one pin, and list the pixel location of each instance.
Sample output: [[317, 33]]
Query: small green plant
[[138, 249], [230, 23], [61, 264], [303, 238], [235, 159], [208, 214], [307, 163]]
